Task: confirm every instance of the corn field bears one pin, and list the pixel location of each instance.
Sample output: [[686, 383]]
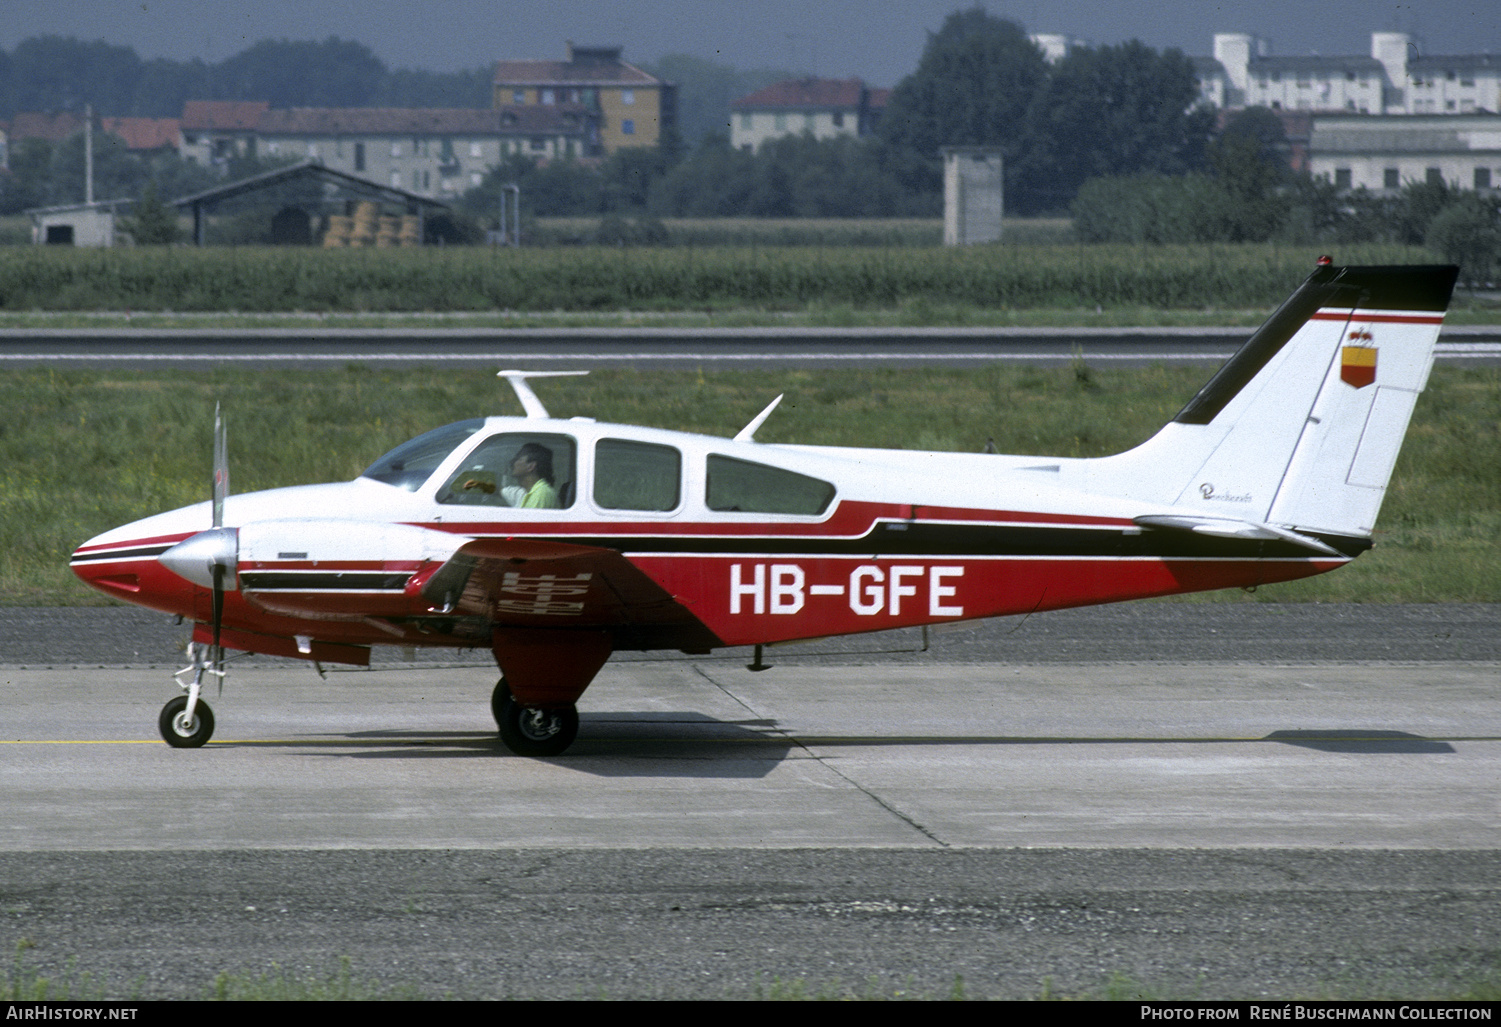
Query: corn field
[[623, 278]]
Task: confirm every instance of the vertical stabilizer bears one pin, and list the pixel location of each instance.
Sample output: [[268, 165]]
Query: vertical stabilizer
[[1338, 473], [1302, 426]]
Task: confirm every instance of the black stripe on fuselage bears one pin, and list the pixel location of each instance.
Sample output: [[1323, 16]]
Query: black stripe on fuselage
[[119, 554], [323, 581], [915, 538]]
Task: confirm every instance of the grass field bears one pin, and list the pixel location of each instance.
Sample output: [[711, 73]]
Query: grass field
[[82, 451]]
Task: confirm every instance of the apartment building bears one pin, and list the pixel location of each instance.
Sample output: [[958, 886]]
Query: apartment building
[[430, 152], [1392, 79], [436, 152], [631, 107]]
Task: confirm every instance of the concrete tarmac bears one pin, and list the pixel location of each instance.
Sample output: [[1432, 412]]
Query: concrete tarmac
[[1278, 820], [698, 753]]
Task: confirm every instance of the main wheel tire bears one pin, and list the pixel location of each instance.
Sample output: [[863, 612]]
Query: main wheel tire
[[181, 733], [532, 732], [498, 700]]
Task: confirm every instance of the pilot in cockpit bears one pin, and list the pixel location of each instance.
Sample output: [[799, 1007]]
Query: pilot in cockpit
[[531, 467]]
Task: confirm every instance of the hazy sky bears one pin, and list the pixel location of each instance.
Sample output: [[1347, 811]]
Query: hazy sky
[[878, 40]]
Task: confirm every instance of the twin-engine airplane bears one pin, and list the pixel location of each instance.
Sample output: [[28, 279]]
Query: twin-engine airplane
[[557, 542]]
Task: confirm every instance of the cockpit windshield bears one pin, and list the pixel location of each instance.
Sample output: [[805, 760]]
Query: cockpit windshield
[[413, 462]]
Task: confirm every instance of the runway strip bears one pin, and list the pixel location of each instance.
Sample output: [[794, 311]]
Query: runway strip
[[657, 347], [1472, 351]]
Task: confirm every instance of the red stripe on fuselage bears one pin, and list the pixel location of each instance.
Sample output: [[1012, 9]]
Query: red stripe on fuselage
[[1396, 319]]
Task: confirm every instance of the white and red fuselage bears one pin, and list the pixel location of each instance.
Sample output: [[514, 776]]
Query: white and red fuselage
[[346, 564]]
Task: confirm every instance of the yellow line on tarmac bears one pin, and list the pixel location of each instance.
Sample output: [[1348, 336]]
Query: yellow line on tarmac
[[80, 741]]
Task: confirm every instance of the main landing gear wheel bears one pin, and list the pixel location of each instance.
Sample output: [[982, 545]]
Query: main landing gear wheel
[[178, 730], [533, 732]]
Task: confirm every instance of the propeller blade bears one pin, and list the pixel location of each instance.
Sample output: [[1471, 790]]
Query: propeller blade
[[221, 468], [221, 493], [218, 624]]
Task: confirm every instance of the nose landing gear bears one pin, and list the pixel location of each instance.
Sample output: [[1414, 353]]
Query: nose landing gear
[[184, 730], [186, 722]]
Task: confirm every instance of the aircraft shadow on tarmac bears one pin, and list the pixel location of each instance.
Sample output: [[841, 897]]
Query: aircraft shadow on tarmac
[[1357, 741], [656, 744], [689, 744]]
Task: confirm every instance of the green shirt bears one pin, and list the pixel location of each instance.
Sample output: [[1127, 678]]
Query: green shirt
[[541, 496]]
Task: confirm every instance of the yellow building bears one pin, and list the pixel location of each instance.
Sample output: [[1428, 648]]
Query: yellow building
[[634, 108]]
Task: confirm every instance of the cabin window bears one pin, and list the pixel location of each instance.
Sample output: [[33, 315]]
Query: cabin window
[[413, 462], [516, 469], [636, 475], [744, 487]]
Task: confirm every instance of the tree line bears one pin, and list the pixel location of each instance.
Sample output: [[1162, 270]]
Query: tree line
[[52, 73]]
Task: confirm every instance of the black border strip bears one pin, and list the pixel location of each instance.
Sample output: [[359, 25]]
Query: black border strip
[[118, 554]]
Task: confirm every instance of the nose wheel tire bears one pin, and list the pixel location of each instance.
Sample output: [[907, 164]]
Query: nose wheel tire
[[527, 731], [180, 732]]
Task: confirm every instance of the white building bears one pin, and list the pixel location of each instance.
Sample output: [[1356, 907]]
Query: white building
[[973, 194], [1392, 79], [822, 107], [1384, 153], [437, 152], [430, 152], [1054, 45]]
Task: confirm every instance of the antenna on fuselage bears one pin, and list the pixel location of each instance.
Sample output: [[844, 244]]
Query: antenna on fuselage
[[748, 433], [529, 401]]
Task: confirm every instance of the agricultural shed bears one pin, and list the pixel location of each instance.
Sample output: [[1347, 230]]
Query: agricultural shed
[[76, 224], [335, 183]]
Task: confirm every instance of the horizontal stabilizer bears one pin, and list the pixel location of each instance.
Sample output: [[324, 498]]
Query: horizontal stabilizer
[[1228, 527]]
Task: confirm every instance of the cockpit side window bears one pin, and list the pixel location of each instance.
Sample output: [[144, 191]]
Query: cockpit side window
[[413, 462], [523, 470], [745, 487], [636, 476]]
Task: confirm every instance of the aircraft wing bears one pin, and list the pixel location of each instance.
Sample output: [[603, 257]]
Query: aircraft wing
[[535, 583]]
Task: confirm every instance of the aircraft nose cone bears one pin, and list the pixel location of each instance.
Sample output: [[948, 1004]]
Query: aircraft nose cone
[[194, 558]]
